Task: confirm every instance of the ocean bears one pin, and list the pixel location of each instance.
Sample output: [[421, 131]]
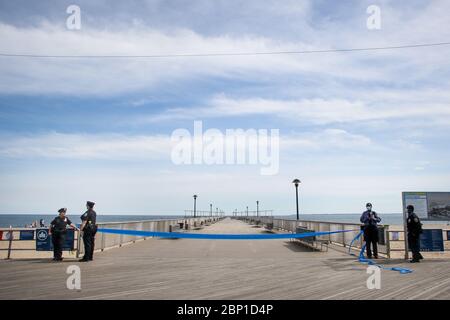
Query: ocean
[[21, 220]]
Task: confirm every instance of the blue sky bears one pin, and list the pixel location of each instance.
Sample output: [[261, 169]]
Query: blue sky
[[354, 127]]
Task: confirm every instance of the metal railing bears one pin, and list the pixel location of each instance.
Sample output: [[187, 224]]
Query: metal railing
[[11, 236], [106, 240], [11, 240], [341, 239]]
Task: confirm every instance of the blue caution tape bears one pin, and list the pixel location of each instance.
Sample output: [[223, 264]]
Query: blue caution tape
[[178, 235], [354, 239], [250, 236], [365, 260]]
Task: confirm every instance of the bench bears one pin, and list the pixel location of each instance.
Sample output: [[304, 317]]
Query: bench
[[311, 242], [269, 226], [177, 227], [257, 224]]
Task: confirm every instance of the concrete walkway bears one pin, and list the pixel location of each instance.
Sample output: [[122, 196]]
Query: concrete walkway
[[220, 269]]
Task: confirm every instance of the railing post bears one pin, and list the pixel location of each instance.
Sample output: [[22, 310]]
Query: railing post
[[388, 243], [11, 236], [343, 235], [121, 236], [77, 255], [103, 242]]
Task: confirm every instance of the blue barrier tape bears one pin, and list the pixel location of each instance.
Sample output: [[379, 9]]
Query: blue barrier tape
[[218, 236], [363, 259], [354, 239], [177, 235]]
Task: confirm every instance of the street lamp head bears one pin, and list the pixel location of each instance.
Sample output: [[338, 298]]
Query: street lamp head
[[296, 182], [195, 196]]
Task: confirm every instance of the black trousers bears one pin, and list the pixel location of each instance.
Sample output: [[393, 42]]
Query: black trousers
[[371, 238], [414, 246], [58, 239], [89, 244]]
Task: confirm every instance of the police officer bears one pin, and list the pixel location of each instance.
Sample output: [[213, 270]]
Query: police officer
[[414, 230], [370, 220], [89, 228], [58, 230]]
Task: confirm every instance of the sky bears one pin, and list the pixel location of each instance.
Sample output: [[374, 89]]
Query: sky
[[354, 127]]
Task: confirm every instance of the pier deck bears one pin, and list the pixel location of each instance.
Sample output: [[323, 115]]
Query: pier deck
[[221, 269]]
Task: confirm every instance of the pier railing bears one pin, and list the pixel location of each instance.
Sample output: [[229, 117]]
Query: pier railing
[[12, 245], [391, 237], [341, 239], [106, 240]]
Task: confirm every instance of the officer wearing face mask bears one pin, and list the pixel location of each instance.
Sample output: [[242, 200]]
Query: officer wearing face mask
[[370, 219]]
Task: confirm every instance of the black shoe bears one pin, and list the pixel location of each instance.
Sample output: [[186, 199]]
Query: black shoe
[[375, 257], [414, 261], [83, 260]]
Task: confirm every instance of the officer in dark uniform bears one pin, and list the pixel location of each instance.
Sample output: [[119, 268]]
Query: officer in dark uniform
[[370, 220], [414, 230], [89, 228], [58, 230]]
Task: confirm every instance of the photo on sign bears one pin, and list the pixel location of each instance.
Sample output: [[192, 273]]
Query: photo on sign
[[438, 205]]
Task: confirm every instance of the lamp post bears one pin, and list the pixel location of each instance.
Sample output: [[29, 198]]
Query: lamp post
[[257, 208], [195, 204], [247, 211], [210, 209], [296, 182]]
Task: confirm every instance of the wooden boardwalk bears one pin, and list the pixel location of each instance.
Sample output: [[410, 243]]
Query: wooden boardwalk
[[221, 269]]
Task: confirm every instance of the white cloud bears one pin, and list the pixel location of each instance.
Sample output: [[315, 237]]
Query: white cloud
[[115, 76], [316, 111], [85, 146], [327, 139], [149, 147], [346, 177]]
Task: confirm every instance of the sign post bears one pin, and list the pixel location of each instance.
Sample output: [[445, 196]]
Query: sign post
[[10, 237]]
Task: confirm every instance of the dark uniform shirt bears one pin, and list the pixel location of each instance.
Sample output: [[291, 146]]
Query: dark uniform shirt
[[60, 224], [414, 226], [89, 216], [370, 218]]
